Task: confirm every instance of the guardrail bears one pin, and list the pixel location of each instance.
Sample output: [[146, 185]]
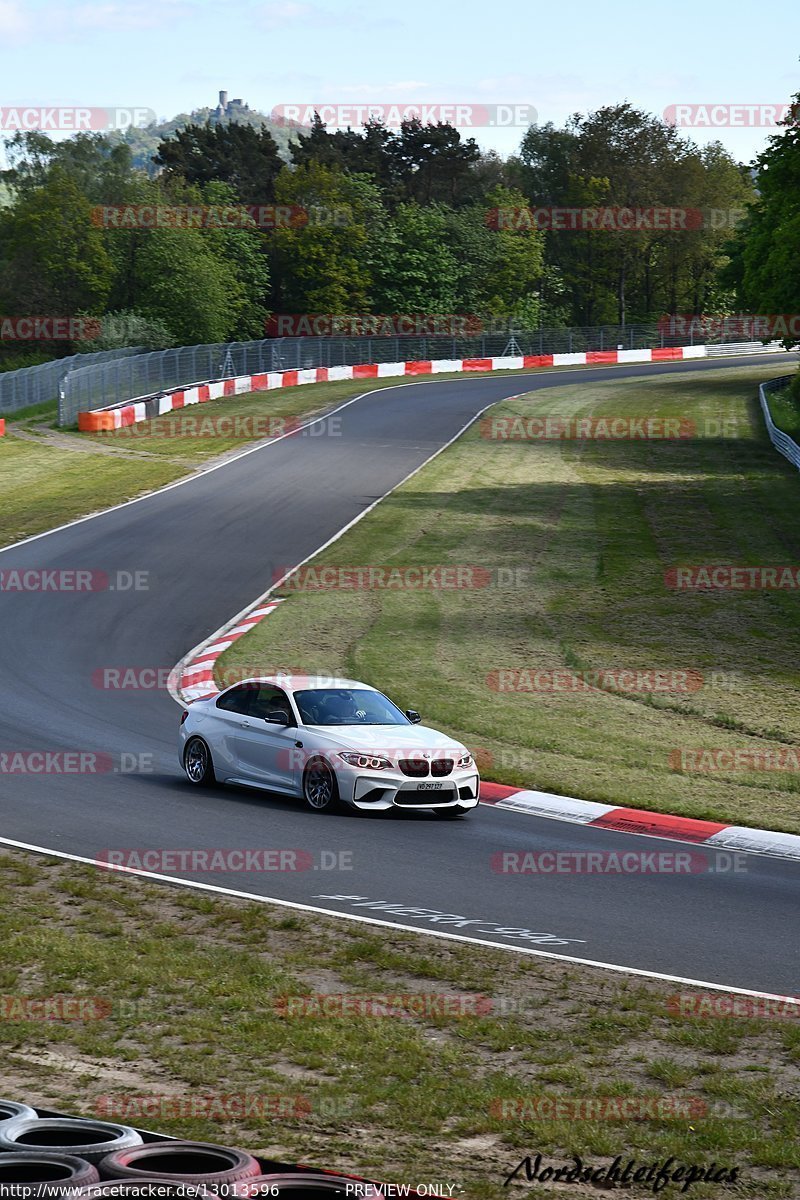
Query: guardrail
[[42, 384], [144, 408], [106, 384], [721, 349], [780, 440]]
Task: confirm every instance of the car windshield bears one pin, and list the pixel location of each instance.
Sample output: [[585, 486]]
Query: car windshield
[[347, 706]]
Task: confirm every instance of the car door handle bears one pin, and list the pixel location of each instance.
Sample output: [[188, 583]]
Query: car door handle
[[245, 725]]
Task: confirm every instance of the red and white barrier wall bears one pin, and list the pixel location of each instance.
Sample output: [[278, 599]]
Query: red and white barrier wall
[[105, 420]]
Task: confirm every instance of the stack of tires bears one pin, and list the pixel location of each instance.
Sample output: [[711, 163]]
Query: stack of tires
[[66, 1158]]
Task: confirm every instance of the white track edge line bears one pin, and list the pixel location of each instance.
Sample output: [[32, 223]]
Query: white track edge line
[[196, 885]]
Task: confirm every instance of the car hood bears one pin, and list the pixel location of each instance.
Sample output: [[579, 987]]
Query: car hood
[[385, 739]]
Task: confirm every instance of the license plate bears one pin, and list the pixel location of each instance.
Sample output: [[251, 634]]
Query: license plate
[[429, 787]]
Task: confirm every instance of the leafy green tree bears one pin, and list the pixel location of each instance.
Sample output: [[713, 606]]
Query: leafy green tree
[[244, 157], [178, 280], [320, 265], [765, 260], [415, 268], [52, 258]]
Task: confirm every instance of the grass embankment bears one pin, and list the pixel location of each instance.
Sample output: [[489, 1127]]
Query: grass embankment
[[193, 984], [578, 536], [784, 407]]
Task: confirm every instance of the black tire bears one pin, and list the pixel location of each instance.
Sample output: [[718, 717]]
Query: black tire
[[44, 1174], [320, 789], [309, 1185], [456, 813], [10, 1110], [87, 1139], [190, 1162], [198, 764]]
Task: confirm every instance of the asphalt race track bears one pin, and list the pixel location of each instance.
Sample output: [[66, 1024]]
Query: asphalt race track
[[208, 548]]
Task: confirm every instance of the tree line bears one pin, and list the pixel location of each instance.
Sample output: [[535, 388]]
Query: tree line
[[410, 220]]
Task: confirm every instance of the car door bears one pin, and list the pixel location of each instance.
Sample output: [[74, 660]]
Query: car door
[[231, 714], [266, 752]]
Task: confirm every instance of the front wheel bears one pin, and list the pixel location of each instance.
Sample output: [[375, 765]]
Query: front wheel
[[320, 789], [197, 763]]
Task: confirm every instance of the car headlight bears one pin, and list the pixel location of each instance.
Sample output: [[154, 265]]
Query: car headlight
[[465, 760], [367, 762]]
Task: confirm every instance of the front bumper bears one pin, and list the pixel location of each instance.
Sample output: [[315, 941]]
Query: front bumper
[[379, 790]]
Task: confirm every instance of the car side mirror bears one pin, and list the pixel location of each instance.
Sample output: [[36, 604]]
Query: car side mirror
[[276, 716], [413, 716]]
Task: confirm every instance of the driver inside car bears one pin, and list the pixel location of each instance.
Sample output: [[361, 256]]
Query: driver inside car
[[341, 709]]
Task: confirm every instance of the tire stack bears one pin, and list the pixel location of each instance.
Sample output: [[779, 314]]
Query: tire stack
[[44, 1157]]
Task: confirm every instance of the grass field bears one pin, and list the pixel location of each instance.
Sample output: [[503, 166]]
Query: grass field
[[187, 989], [578, 537]]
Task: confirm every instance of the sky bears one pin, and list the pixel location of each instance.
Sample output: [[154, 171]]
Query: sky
[[171, 56]]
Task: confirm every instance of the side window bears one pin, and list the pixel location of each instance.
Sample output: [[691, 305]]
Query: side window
[[238, 699], [270, 698]]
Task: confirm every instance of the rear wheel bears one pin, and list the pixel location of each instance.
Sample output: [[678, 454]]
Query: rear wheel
[[320, 789], [197, 763]]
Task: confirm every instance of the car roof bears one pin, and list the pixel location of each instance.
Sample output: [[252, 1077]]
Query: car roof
[[297, 682]]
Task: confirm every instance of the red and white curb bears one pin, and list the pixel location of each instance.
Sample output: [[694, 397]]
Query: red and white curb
[[193, 679], [637, 820], [145, 408]]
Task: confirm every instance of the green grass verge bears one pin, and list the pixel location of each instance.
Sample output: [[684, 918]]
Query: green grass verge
[[191, 986], [585, 532], [784, 410]]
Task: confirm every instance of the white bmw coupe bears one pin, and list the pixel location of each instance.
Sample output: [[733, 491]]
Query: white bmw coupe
[[335, 742]]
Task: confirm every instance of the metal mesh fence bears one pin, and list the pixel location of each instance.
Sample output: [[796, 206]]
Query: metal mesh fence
[[40, 385], [98, 385]]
